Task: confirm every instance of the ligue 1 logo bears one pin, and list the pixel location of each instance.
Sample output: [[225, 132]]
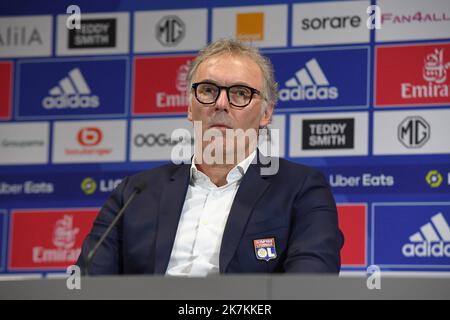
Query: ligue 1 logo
[[88, 186]]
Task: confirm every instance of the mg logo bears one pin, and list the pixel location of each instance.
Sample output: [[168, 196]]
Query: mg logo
[[414, 132], [170, 30], [89, 136]]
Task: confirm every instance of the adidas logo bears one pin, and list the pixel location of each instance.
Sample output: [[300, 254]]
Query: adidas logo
[[309, 83], [71, 92], [433, 240]]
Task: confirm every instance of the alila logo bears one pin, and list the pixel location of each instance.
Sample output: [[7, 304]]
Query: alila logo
[[72, 92], [432, 241], [309, 83]]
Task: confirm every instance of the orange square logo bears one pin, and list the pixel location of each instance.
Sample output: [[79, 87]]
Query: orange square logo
[[250, 26]]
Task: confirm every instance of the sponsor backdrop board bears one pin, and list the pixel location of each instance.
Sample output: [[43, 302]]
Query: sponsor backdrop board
[[364, 96]]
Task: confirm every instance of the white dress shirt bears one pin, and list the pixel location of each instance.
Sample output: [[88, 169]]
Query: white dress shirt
[[205, 212]]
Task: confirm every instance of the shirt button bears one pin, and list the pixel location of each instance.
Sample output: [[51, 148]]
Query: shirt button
[[204, 222]]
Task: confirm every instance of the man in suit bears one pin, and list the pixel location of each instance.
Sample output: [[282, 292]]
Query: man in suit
[[223, 213]]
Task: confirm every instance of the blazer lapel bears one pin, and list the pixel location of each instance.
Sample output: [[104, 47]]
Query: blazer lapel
[[252, 187], [169, 212]]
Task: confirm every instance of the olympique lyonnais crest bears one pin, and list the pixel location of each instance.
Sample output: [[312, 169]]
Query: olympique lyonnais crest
[[265, 249]]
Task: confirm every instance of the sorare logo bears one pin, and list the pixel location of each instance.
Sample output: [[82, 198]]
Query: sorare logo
[[321, 79], [70, 88]]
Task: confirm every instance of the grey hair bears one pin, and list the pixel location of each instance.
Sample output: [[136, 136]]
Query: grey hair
[[235, 47]]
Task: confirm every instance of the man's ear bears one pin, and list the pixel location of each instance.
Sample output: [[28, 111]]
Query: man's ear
[[266, 118], [189, 113]]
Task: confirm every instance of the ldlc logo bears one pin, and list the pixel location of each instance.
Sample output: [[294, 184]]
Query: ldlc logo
[[170, 30], [414, 132], [434, 178]]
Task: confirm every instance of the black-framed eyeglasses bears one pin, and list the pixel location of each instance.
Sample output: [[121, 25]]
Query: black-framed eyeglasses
[[239, 95]]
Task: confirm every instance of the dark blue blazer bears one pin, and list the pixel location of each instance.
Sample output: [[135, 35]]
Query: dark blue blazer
[[294, 206]]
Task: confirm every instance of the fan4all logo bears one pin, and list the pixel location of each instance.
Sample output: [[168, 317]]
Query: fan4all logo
[[432, 240]]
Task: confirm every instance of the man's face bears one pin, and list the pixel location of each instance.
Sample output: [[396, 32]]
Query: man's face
[[228, 70]]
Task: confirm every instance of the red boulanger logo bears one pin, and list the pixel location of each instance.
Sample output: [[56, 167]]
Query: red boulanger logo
[[160, 85], [352, 222], [412, 75], [90, 136], [48, 239], [89, 139], [5, 89]]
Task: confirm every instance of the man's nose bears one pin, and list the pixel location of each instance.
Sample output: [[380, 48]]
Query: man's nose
[[222, 102]]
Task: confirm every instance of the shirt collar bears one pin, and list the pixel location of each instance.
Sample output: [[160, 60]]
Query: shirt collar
[[235, 174]]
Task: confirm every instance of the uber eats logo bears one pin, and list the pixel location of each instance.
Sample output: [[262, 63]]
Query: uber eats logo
[[88, 186], [434, 178]]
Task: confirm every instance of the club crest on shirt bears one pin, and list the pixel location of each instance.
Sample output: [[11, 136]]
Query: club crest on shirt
[[265, 249]]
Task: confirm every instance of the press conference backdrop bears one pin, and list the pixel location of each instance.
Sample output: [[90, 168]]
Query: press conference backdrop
[[81, 109]]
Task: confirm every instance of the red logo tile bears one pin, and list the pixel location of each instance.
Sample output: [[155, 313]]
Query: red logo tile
[[160, 85], [5, 89], [48, 239], [352, 222], [413, 75]]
